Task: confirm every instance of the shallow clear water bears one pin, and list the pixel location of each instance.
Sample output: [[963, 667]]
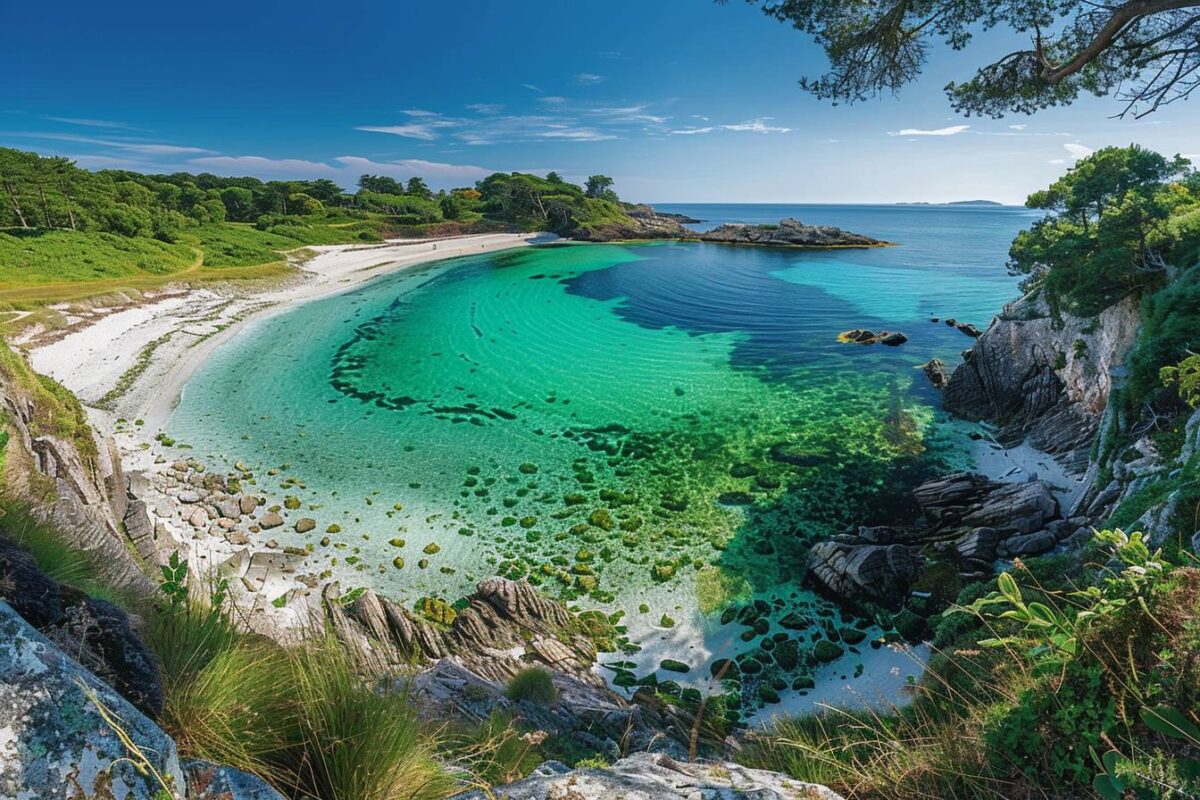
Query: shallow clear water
[[658, 429]]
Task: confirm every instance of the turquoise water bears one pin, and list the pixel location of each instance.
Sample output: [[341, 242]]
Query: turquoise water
[[657, 431]]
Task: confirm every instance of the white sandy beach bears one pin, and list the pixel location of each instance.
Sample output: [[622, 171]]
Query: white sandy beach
[[138, 358]]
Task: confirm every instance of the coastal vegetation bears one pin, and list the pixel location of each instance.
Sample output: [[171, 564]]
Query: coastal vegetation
[[1143, 51], [68, 233], [1071, 673]]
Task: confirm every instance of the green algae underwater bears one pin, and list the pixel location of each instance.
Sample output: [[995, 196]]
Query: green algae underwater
[[656, 432]]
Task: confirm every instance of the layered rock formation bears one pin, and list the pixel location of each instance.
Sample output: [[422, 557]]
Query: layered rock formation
[[86, 487], [966, 518], [1044, 377], [789, 233], [507, 627]]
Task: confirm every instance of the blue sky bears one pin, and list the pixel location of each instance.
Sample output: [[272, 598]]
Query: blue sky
[[678, 100]]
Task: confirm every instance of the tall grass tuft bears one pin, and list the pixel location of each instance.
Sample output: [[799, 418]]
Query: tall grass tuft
[[53, 556], [359, 742]]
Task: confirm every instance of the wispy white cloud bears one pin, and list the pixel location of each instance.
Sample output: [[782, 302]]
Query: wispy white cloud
[[588, 78], [259, 165], [552, 99], [758, 125], [532, 88], [577, 135], [1077, 151], [435, 171], [486, 108], [951, 130], [419, 112], [1020, 127], [94, 123], [126, 145]]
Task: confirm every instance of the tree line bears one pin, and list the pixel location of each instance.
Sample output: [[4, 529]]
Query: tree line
[[39, 192]]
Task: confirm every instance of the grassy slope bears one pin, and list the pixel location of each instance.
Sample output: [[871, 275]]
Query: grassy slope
[[54, 266]]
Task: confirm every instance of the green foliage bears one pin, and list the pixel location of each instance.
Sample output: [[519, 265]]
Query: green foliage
[[534, 685], [534, 203], [1091, 680], [1144, 52], [598, 187], [174, 581], [1107, 232], [1185, 378], [53, 556], [301, 718], [1170, 333]]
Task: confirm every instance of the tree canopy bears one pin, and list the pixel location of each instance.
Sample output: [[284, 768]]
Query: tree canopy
[[1145, 51], [1108, 230]]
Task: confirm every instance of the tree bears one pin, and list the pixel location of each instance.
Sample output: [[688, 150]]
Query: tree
[[303, 204], [554, 177], [381, 184], [452, 207], [1147, 51], [599, 187], [239, 203], [1106, 234], [418, 188]]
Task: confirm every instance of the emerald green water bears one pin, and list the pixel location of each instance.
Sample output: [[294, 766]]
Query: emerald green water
[[654, 430]]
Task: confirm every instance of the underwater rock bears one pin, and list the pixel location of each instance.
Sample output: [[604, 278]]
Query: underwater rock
[[862, 336], [935, 370], [270, 520], [305, 524]]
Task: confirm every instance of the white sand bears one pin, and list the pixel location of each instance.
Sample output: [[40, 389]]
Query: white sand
[[171, 335]]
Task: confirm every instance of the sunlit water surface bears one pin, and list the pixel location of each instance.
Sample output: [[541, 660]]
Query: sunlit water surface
[[659, 429]]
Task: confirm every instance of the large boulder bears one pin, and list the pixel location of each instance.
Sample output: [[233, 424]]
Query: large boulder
[[852, 568], [648, 776], [54, 741]]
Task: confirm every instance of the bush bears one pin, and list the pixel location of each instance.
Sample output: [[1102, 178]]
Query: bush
[[533, 684]]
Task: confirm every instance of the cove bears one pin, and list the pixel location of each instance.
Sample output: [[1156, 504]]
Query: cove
[[657, 432]]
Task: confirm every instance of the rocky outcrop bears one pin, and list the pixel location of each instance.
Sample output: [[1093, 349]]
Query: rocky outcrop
[[965, 517], [54, 742], [655, 777], [866, 566], [861, 336], [95, 632], [81, 490], [640, 222], [1045, 377], [935, 370], [789, 233], [505, 627]]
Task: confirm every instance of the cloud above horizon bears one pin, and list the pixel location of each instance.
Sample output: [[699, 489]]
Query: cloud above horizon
[[758, 125], [950, 130], [556, 118]]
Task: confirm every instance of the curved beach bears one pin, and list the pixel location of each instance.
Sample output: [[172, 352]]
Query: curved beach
[[134, 361]]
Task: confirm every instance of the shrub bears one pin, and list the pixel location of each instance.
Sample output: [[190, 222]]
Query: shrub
[[533, 684]]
